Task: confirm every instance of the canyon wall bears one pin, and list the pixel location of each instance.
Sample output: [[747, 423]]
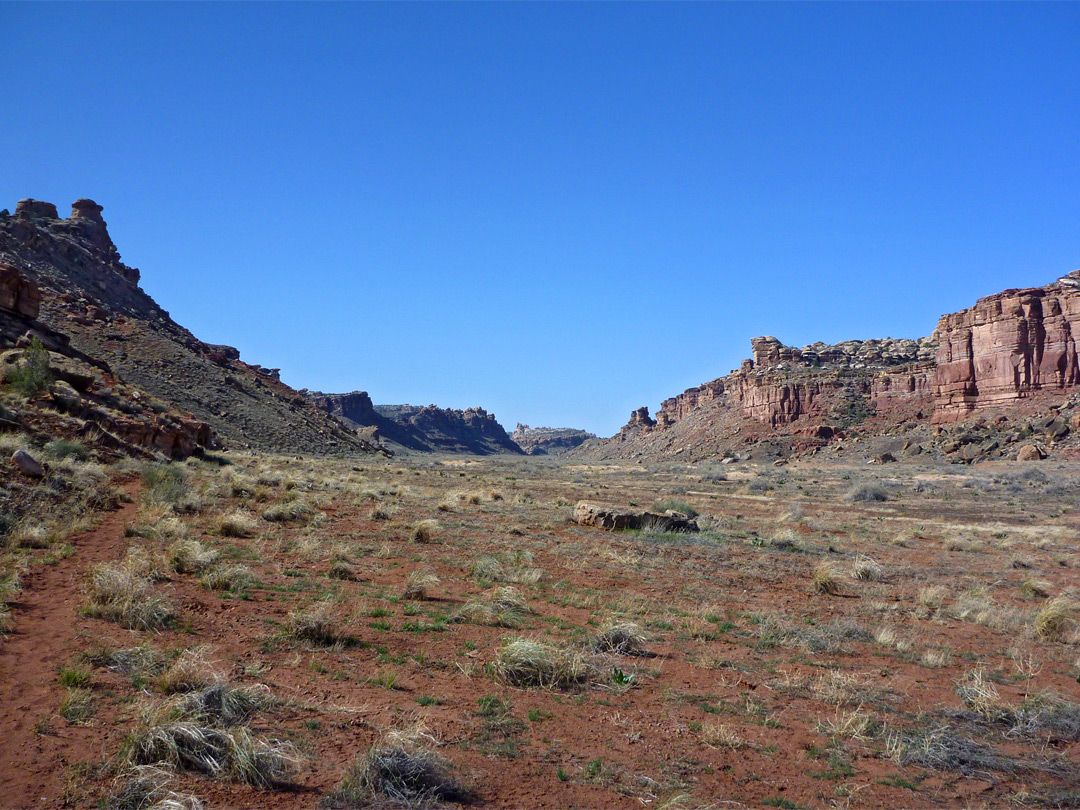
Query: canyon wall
[[1008, 347]]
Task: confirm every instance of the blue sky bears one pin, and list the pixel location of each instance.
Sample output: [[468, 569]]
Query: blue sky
[[559, 212]]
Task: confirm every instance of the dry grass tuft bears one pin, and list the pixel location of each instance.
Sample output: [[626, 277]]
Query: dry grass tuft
[[237, 523], [190, 557], [228, 577], [528, 663], [425, 531], [190, 671], [502, 607], [620, 638], [1057, 619], [866, 569], [314, 624], [121, 593], [401, 769], [418, 584], [718, 735], [824, 579]]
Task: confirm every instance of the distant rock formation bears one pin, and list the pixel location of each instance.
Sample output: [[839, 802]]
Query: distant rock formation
[[428, 429], [545, 441]]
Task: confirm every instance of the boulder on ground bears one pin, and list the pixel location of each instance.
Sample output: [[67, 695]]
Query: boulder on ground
[[27, 464], [1030, 452], [591, 514]]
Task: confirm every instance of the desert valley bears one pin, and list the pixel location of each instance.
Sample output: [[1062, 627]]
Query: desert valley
[[839, 576]]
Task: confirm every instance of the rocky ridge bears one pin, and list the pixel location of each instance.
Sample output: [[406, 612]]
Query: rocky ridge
[[92, 299]]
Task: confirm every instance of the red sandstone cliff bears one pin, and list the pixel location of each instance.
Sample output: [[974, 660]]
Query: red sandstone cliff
[[1008, 347]]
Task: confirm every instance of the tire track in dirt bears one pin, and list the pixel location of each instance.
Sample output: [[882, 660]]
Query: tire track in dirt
[[46, 634]]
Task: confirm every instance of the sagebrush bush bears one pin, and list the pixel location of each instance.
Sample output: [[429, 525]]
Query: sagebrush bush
[[33, 375]]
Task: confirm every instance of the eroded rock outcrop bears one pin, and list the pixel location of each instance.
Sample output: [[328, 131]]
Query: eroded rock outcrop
[[606, 517], [1008, 347], [18, 293]]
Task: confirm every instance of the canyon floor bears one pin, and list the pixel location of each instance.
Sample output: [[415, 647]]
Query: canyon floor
[[436, 631]]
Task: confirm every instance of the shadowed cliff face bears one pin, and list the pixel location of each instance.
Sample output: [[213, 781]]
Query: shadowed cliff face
[[1007, 347], [90, 305]]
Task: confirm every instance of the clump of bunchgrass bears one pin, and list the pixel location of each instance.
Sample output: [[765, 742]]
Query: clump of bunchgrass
[[425, 531], [981, 696], [502, 607], [231, 577], [315, 624], [866, 569], [1057, 618], [237, 523], [825, 579], [190, 557], [620, 638], [288, 511], [77, 706], [510, 566], [418, 585], [866, 493], [121, 593], [233, 752], [190, 671], [720, 735], [401, 769], [145, 787], [530, 663], [1035, 588]]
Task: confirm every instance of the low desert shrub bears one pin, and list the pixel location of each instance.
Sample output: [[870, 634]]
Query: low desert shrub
[[865, 493], [33, 375]]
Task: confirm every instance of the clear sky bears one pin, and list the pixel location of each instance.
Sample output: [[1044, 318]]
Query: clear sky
[[559, 212]]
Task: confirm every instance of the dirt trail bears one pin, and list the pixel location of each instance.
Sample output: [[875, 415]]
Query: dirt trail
[[46, 634]]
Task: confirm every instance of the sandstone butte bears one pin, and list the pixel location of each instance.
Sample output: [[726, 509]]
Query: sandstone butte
[[1010, 347]]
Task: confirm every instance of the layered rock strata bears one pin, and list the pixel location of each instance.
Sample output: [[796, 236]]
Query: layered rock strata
[[1009, 346]]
